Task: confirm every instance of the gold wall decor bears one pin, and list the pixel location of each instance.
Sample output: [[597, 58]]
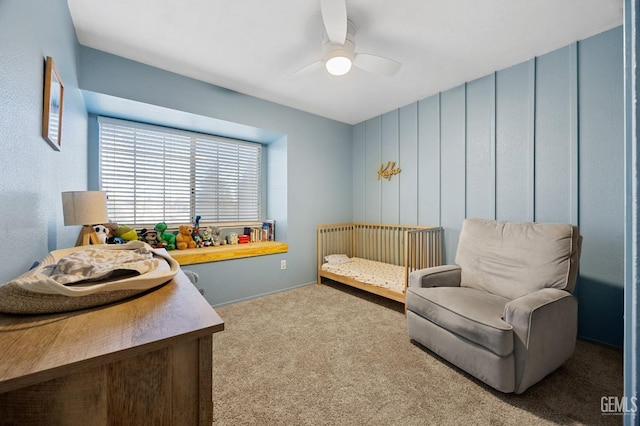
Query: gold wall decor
[[388, 170]]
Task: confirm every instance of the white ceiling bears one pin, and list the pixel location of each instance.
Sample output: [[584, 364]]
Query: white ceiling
[[253, 46]]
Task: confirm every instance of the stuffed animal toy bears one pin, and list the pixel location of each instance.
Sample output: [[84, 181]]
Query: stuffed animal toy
[[150, 236], [216, 236], [111, 236], [184, 239], [115, 240], [196, 229], [102, 232], [167, 239], [112, 227], [127, 233], [206, 237]]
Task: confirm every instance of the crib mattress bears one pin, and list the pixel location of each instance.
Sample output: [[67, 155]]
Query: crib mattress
[[370, 272]]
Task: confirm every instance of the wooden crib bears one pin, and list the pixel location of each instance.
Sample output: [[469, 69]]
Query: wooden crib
[[377, 258]]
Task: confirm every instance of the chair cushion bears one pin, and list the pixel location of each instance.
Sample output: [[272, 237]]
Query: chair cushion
[[473, 314], [515, 259]]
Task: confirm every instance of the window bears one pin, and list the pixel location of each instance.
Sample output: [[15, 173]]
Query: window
[[153, 174]]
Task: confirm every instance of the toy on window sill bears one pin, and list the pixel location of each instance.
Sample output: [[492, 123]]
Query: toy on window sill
[[232, 238], [184, 239], [150, 236], [207, 237], [102, 232], [216, 236], [112, 237], [196, 231], [125, 232], [167, 239]]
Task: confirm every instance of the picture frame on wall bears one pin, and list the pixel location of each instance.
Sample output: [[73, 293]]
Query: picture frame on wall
[[53, 103]]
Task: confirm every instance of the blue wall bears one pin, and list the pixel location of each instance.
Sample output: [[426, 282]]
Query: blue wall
[[539, 141], [308, 162], [33, 174]]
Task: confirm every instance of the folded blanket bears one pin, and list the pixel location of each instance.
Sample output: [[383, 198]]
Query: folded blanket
[[83, 277], [100, 264]]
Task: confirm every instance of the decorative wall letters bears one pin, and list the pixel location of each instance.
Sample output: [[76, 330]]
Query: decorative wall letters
[[388, 170]]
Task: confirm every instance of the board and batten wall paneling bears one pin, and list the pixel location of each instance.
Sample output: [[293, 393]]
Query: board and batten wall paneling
[[554, 100], [481, 147], [452, 154], [359, 172], [393, 145], [372, 189], [408, 177], [389, 151], [601, 180], [514, 196], [429, 161], [539, 141]]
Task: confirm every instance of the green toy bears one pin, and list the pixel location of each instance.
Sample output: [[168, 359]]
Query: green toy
[[167, 239], [127, 233]]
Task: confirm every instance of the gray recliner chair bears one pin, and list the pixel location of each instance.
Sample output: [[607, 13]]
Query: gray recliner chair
[[504, 312]]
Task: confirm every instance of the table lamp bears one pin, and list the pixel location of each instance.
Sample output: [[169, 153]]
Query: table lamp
[[85, 208]]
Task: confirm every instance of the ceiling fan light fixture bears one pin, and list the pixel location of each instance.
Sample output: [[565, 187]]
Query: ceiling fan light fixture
[[338, 60], [338, 65]]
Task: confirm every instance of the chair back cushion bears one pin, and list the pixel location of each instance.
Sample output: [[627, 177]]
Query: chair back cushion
[[515, 259]]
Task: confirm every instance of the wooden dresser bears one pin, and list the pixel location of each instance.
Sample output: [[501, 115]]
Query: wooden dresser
[[142, 361]]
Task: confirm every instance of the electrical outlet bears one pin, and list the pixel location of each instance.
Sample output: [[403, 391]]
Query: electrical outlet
[[283, 264]]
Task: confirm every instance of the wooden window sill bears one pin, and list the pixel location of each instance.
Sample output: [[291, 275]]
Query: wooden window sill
[[227, 252]]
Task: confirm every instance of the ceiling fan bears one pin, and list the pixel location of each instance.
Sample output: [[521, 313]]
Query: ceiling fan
[[338, 46]]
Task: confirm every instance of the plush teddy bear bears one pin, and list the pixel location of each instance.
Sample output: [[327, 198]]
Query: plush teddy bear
[[167, 239], [184, 239]]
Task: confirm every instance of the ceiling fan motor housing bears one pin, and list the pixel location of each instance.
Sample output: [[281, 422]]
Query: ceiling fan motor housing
[[339, 57]]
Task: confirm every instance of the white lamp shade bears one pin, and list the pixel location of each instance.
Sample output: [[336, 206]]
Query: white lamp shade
[[84, 207]]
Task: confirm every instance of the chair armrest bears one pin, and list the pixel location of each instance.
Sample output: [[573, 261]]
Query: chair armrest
[[545, 326], [437, 276]]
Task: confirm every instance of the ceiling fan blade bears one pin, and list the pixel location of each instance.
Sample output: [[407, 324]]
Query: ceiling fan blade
[[334, 15], [306, 70], [376, 64]]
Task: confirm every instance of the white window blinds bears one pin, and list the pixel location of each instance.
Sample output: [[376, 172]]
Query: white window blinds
[[153, 174]]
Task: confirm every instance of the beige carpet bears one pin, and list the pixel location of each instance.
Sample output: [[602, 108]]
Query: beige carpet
[[333, 355]]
